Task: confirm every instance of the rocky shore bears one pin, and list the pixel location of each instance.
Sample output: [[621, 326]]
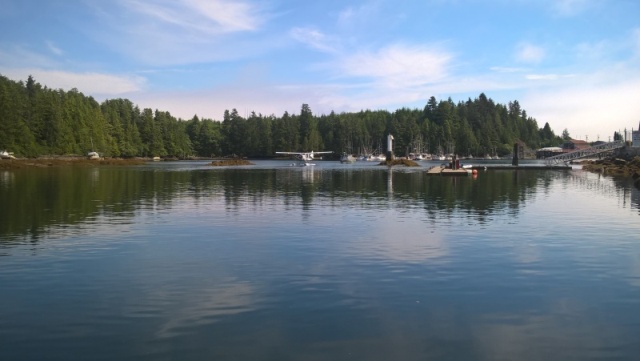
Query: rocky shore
[[9, 164], [400, 161], [617, 167]]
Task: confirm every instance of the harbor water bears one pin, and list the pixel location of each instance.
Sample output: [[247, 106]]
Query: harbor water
[[184, 261]]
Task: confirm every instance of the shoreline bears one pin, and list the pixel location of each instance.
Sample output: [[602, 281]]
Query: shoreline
[[48, 162], [617, 167]]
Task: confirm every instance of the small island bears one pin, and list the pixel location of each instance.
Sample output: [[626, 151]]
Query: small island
[[400, 161], [230, 162]]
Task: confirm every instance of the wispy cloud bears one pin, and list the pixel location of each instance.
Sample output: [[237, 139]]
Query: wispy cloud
[[165, 33], [204, 17], [541, 76], [570, 7], [53, 48], [355, 15], [17, 56], [314, 39], [635, 39], [529, 53], [504, 69], [595, 51]]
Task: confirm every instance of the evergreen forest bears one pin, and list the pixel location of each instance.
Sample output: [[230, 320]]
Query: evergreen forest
[[37, 121]]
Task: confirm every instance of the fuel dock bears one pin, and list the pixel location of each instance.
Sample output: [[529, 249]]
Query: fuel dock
[[454, 168]]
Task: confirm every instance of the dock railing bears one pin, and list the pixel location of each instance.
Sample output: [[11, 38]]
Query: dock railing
[[584, 153]]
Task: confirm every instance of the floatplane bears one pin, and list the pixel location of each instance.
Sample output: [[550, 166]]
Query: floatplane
[[303, 158]]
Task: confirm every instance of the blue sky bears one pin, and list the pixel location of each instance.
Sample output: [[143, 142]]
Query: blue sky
[[572, 63]]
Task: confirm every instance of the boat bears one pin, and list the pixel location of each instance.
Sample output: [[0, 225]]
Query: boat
[[93, 154], [347, 158], [418, 154], [6, 155]]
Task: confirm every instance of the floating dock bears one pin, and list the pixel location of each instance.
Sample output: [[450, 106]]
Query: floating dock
[[440, 170], [520, 167]]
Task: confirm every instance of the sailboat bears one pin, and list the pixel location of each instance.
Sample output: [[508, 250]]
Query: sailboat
[[6, 155], [93, 154]]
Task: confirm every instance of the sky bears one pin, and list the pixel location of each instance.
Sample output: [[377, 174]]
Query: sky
[[574, 64]]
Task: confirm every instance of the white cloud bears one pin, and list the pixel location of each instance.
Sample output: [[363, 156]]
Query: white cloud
[[551, 77], [529, 53], [570, 7], [211, 103], [593, 50], [204, 17], [313, 38], [90, 83], [231, 15], [587, 106], [541, 76], [165, 33], [355, 16], [503, 69], [398, 65]]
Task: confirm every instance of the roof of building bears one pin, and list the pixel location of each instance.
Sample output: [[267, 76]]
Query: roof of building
[[577, 141], [573, 144]]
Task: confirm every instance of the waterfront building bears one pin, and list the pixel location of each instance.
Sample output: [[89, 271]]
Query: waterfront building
[[548, 152], [574, 144]]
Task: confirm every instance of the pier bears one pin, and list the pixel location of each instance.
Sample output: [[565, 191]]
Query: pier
[[444, 171], [591, 152], [520, 167]]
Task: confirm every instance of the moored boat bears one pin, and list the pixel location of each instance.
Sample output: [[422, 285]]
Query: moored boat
[[347, 158], [6, 155]]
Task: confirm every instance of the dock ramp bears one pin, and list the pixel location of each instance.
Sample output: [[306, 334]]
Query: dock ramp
[[584, 153]]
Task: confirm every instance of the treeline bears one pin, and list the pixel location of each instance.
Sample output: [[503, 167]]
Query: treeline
[[36, 120]]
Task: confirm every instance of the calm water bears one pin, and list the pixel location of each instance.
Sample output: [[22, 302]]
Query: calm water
[[181, 261]]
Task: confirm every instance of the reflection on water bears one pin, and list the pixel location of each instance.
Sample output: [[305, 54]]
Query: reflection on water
[[35, 201], [181, 261]]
